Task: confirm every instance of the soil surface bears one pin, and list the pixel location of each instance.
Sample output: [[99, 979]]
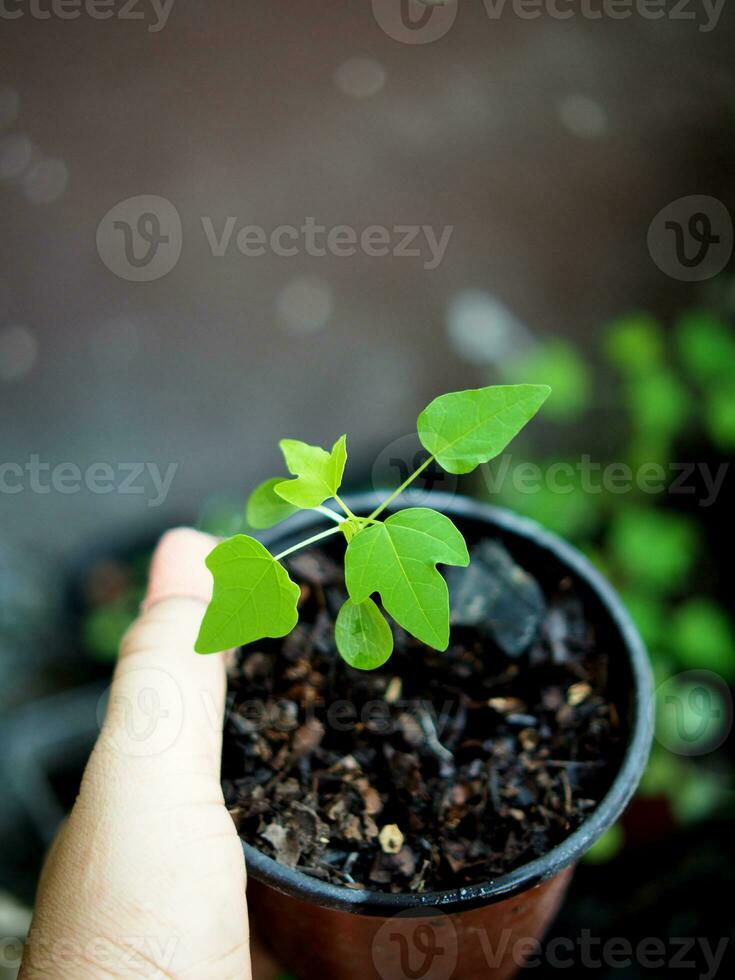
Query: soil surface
[[438, 770]]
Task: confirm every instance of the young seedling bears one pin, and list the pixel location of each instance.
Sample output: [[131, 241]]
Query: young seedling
[[395, 558]]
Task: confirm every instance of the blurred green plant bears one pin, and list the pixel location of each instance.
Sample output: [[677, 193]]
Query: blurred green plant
[[113, 590], [672, 388], [559, 365], [701, 637], [634, 344], [653, 550], [104, 628], [606, 847]]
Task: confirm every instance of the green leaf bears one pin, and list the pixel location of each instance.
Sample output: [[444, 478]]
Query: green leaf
[[253, 596], [466, 428], [663, 771], [364, 638], [398, 559], [654, 549], [573, 513], [699, 796], [606, 847], [265, 508], [702, 637], [635, 343], [706, 346], [104, 628], [659, 404], [650, 615], [318, 473], [719, 416]]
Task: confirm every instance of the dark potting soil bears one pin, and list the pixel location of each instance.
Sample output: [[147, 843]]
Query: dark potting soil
[[438, 770]]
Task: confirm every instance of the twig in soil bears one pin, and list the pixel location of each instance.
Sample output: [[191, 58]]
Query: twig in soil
[[567, 791], [447, 765], [493, 787], [459, 724]]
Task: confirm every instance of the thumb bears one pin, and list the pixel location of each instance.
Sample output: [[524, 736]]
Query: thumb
[[166, 703], [149, 849]]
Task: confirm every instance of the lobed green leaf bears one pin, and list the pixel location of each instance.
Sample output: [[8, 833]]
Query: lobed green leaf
[[398, 559], [318, 473]]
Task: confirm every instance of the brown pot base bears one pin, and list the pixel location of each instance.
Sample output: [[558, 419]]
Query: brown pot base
[[491, 941]]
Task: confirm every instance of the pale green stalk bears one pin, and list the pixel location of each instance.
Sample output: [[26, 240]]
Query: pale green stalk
[[396, 493], [308, 541]]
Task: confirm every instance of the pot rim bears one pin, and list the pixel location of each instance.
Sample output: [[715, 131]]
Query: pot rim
[[301, 886]]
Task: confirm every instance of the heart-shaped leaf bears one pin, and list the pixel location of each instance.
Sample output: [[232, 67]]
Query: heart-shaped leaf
[[363, 637], [253, 596], [398, 559], [465, 428], [265, 508], [318, 472]]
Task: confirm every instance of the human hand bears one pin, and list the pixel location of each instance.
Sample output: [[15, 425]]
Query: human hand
[[147, 877]]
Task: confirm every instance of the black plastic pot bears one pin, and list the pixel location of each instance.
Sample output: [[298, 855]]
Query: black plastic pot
[[336, 933]]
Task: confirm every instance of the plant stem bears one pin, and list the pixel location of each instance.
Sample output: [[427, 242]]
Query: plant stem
[[411, 478], [328, 513], [308, 541], [344, 507]]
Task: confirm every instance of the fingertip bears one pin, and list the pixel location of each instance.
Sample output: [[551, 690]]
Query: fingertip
[[178, 567]]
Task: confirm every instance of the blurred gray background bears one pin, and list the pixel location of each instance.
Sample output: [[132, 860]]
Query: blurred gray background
[[549, 145]]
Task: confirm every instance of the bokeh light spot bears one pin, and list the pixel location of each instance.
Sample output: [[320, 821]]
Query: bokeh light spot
[[18, 351], [45, 181], [304, 304], [360, 77], [16, 151], [582, 116]]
